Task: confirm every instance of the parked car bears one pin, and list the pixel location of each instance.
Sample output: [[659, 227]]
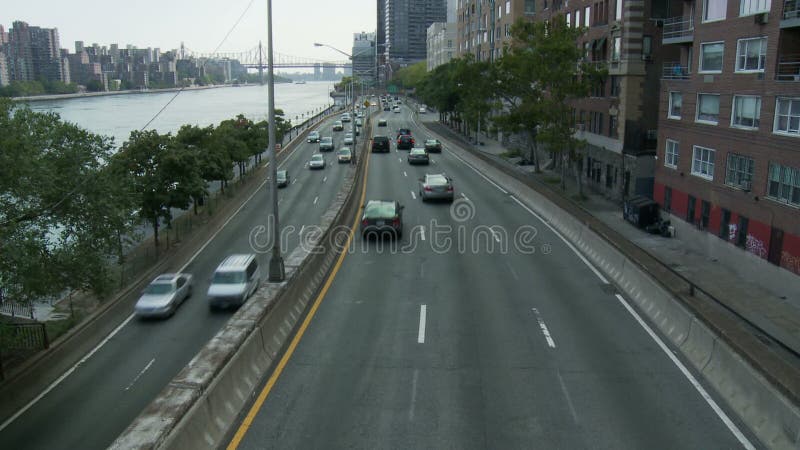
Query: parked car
[[316, 162], [418, 156], [313, 136], [436, 187], [326, 144], [348, 139], [380, 144], [381, 122], [382, 217], [282, 179], [405, 142], [235, 280], [163, 295], [344, 155], [337, 126], [433, 146]]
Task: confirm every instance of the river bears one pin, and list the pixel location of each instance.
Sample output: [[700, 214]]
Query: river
[[118, 115]]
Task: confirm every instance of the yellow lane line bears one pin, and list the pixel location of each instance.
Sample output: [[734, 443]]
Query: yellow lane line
[[262, 396]]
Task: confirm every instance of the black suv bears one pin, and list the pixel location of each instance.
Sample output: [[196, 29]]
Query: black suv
[[380, 144], [405, 142]]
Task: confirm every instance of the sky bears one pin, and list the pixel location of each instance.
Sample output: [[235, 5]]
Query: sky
[[203, 26]]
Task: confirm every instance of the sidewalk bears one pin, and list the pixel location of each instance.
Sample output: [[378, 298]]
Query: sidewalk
[[776, 312]]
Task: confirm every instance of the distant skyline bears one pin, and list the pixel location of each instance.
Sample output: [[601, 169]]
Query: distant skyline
[[150, 23]]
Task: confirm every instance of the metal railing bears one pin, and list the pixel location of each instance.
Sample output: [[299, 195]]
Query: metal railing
[[674, 71], [15, 309], [788, 68], [677, 27], [791, 9]]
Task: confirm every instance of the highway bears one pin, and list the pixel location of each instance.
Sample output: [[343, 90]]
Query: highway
[[450, 342], [102, 396]]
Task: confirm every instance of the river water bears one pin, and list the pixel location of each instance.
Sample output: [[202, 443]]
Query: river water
[[118, 115]]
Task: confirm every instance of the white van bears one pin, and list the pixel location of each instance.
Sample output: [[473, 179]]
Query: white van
[[235, 279]]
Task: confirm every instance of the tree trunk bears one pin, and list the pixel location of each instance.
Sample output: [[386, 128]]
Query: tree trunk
[[155, 233], [578, 173], [563, 171]]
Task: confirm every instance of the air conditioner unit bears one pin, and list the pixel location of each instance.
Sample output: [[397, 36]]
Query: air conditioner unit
[[652, 135], [761, 18]]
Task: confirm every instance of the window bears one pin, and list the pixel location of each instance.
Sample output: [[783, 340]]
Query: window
[[616, 49], [615, 85], [508, 6], [784, 184], [787, 116], [613, 123], [751, 54], [675, 103], [530, 6], [667, 198], [569, 19], [586, 13], [647, 47], [692, 205], [725, 224], [746, 111], [708, 108], [711, 57], [747, 7], [740, 171], [705, 212], [618, 12], [671, 154], [741, 234], [577, 18], [703, 162], [714, 9]]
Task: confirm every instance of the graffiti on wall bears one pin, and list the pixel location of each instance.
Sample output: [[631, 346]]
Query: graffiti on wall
[[756, 246], [732, 229], [790, 262]]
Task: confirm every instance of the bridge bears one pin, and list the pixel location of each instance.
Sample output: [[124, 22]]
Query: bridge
[[256, 58]]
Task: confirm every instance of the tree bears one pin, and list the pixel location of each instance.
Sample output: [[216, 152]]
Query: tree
[[61, 213], [410, 77]]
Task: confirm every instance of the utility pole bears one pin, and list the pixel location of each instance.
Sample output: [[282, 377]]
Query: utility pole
[[276, 268]]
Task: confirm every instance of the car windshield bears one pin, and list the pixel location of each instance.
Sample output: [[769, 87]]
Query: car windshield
[[431, 142], [418, 151], [281, 174], [377, 209], [327, 140], [316, 158], [228, 278], [158, 288], [313, 133], [344, 151], [436, 180]]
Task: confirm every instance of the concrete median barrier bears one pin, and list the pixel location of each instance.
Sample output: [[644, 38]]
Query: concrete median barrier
[[197, 409]]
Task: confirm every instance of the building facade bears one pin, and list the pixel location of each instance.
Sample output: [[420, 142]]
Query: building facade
[[484, 26], [365, 57], [441, 44], [728, 161], [406, 24], [4, 76]]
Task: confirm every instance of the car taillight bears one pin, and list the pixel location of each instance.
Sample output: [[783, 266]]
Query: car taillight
[[428, 189], [364, 222], [412, 141], [396, 222], [449, 188]]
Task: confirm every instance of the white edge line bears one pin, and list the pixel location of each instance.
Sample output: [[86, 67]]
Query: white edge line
[[413, 195], [569, 244], [700, 389], [139, 375], [423, 312], [113, 333]]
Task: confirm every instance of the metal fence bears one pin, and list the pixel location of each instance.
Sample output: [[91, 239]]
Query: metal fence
[[677, 27]]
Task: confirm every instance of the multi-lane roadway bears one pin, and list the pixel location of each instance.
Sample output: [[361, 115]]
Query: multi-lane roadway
[[453, 340], [101, 396]]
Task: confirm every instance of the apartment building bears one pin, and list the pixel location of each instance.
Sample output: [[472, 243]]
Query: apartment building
[[441, 44], [729, 124], [484, 26]]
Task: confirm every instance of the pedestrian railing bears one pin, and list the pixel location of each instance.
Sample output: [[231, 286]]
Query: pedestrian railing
[[791, 9], [788, 68], [674, 71], [677, 28], [16, 309]]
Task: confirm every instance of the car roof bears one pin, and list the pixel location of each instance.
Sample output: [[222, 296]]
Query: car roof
[[435, 177], [282, 172], [165, 278], [235, 262], [317, 156], [431, 140], [327, 137]]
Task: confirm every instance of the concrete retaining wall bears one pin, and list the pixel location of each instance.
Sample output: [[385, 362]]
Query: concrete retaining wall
[[769, 414], [197, 409]]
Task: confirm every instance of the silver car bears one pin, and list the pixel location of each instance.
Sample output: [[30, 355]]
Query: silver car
[[436, 187], [348, 139], [163, 295], [316, 162], [313, 136]]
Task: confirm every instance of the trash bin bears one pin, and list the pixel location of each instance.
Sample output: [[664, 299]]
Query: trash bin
[[640, 211]]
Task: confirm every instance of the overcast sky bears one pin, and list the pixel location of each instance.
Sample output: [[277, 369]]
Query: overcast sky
[[202, 26]]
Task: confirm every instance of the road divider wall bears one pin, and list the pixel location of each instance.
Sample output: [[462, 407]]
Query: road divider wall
[[201, 404], [765, 405]]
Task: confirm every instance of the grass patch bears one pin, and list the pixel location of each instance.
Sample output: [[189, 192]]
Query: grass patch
[[552, 180], [57, 328], [510, 154]]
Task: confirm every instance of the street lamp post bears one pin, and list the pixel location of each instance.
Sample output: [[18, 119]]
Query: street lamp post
[[276, 268]]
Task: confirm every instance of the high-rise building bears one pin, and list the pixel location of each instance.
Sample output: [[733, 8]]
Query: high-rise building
[[441, 44], [78, 47], [727, 162], [4, 75], [34, 53], [484, 26], [328, 71], [406, 24], [364, 57]]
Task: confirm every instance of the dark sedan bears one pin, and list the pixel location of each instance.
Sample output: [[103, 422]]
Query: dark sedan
[[405, 142], [418, 156], [382, 217]]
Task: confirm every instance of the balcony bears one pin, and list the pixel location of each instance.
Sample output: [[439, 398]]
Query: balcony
[[678, 30], [674, 71], [788, 68], [791, 14]]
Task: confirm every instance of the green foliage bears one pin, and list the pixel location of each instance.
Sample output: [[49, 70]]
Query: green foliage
[[94, 86], [411, 76], [61, 212], [31, 88]]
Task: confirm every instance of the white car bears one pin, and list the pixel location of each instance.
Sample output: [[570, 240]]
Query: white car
[[164, 294], [316, 162], [396, 109], [422, 110], [348, 139]]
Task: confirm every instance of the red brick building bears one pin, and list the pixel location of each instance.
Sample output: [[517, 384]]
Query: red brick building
[[729, 123]]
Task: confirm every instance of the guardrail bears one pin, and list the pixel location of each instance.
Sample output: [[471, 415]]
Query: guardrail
[[791, 9], [674, 71], [788, 68], [676, 28]]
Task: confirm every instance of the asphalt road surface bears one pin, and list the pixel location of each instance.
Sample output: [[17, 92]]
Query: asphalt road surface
[[462, 344], [103, 395]]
